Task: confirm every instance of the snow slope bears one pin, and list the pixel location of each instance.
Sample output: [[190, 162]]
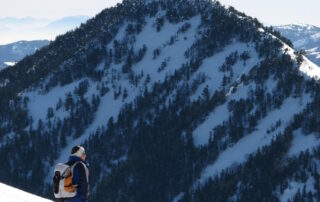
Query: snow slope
[[302, 142], [175, 58], [110, 107], [239, 152], [210, 67], [308, 68], [293, 188], [11, 194], [168, 41], [39, 103]]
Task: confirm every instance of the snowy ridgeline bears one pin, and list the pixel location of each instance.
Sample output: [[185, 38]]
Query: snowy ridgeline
[[238, 153], [10, 194], [305, 37]]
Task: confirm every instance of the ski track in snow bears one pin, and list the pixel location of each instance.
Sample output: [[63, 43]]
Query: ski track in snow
[[10, 194]]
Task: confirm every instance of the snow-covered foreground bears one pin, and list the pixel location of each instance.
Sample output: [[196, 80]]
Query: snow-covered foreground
[[10, 194]]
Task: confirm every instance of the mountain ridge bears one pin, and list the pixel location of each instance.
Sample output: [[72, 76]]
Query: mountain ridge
[[305, 38], [157, 116], [14, 52]]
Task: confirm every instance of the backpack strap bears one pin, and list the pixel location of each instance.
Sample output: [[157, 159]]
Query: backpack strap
[[86, 170], [84, 166], [73, 166], [63, 175]]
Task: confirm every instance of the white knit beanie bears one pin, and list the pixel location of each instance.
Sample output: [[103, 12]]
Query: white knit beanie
[[79, 152]]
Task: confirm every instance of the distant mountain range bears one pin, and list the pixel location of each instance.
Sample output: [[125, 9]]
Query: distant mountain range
[[25, 35], [14, 52], [303, 36]]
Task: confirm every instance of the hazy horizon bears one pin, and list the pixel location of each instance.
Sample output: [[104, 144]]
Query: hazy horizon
[[269, 12], [275, 12]]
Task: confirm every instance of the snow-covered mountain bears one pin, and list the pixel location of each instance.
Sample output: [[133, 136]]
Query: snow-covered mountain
[[174, 100], [303, 36], [14, 52], [10, 194]]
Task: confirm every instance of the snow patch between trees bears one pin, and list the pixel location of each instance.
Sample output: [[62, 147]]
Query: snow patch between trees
[[239, 152]]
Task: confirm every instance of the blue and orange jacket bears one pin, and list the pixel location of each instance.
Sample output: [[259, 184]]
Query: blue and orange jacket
[[79, 178]]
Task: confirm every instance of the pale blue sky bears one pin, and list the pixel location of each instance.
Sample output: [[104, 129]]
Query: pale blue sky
[[271, 12], [280, 11], [52, 9], [267, 11]]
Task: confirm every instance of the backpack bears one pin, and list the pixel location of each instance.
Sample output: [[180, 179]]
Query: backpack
[[62, 181]]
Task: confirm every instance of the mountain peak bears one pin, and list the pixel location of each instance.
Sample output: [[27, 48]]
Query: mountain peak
[[172, 100]]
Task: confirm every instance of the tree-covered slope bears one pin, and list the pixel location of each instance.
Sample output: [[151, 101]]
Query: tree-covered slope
[[174, 101]]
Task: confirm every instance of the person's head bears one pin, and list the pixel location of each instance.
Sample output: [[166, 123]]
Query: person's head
[[79, 152]]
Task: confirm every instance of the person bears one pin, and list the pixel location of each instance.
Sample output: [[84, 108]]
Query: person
[[80, 176]]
